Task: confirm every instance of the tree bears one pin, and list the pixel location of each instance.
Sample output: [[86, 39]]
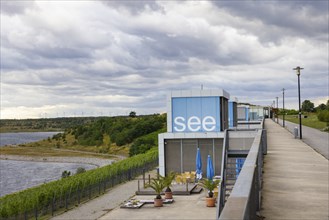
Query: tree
[[132, 114], [307, 106], [321, 107], [324, 116]]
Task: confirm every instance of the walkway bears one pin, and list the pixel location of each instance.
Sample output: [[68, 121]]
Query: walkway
[[296, 179], [100, 206], [315, 138]]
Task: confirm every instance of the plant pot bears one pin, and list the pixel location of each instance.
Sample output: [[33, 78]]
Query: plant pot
[[168, 195], [210, 202], [158, 202]]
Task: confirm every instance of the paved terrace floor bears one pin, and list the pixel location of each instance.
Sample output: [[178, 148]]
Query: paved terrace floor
[[107, 206], [295, 181], [184, 207]]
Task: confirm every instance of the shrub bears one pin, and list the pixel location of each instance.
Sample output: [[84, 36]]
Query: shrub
[[80, 170], [324, 116], [66, 174]]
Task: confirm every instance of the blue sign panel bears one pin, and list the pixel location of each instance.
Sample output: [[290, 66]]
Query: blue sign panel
[[196, 114], [230, 115]]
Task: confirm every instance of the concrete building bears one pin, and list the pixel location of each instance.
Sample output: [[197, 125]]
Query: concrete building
[[195, 118], [243, 112], [251, 112], [233, 114]]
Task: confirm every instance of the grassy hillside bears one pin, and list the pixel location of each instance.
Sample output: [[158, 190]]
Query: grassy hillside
[[125, 136], [311, 120]]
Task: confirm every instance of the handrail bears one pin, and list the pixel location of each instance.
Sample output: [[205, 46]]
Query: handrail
[[245, 198], [222, 186]]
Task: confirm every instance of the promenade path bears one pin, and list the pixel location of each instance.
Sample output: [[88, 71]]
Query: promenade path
[[295, 180], [315, 138]]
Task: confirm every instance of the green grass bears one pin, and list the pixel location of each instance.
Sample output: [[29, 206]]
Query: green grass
[[311, 120]]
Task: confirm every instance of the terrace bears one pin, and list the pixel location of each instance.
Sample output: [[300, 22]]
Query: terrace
[[192, 205], [279, 190]]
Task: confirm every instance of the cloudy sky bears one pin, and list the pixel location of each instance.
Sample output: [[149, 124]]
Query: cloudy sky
[[74, 58]]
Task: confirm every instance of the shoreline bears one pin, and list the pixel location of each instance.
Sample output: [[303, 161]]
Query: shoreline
[[83, 160]]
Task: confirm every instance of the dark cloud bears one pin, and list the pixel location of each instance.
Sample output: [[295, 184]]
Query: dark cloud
[[283, 18], [135, 7], [12, 7]]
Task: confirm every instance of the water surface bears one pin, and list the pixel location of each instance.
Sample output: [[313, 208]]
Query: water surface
[[19, 175], [23, 137]]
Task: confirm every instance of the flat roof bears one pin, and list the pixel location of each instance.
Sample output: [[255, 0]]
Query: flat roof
[[199, 93]]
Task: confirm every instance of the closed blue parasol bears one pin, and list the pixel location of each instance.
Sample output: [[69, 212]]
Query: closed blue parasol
[[239, 163], [198, 164], [210, 168]]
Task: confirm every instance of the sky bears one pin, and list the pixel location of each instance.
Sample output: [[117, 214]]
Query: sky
[[108, 58]]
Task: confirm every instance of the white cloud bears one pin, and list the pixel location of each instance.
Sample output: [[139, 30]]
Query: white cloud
[[111, 57]]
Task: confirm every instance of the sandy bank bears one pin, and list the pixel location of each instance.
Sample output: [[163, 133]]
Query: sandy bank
[[84, 160]]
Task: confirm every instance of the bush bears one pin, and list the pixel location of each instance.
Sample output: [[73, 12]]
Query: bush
[[80, 170], [144, 143], [324, 116], [66, 174]]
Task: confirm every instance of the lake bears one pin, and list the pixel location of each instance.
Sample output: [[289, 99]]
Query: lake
[[19, 175], [23, 137]]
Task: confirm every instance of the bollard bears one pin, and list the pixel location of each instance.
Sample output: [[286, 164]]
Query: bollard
[[296, 132]]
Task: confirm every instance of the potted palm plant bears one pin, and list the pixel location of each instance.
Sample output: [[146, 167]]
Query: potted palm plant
[[209, 185], [167, 180], [157, 185]]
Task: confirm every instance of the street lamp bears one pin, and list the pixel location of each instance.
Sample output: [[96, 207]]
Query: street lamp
[[273, 115], [283, 124], [277, 110], [300, 113]]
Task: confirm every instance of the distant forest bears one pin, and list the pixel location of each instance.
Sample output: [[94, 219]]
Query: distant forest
[[43, 124]]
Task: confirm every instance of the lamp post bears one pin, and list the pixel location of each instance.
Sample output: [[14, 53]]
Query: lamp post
[[277, 110], [300, 113], [273, 115], [283, 124]]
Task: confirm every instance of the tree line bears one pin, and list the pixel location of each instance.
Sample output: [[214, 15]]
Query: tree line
[[43, 124], [139, 132], [322, 110]]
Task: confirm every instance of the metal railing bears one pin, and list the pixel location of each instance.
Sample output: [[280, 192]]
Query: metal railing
[[222, 186], [245, 199]]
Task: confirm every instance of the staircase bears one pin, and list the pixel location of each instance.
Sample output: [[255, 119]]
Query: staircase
[[234, 165], [231, 166]]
